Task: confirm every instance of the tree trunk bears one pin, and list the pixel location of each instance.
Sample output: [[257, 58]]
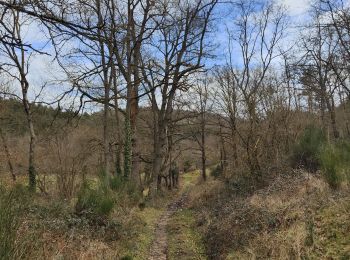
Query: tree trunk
[[105, 133], [204, 175], [159, 153], [331, 110], [31, 168], [135, 154], [223, 157], [118, 153], [127, 148], [323, 109], [106, 86]]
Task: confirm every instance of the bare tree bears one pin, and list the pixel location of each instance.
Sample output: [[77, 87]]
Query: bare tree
[[203, 107], [257, 35], [15, 64], [320, 47], [180, 42]]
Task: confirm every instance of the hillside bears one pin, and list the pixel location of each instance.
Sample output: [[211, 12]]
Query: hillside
[[293, 215], [174, 130], [296, 216]]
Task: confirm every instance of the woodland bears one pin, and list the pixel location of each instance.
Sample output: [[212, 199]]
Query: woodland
[[174, 129]]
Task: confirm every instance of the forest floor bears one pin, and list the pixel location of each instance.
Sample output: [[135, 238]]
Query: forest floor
[[164, 229], [295, 216]]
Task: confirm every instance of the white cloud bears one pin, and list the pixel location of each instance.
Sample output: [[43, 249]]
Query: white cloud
[[296, 7]]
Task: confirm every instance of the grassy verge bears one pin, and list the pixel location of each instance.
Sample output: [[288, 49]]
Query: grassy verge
[[137, 240], [332, 232], [296, 216], [189, 179], [183, 240], [127, 232]]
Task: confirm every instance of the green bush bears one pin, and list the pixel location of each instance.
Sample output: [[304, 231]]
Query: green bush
[[335, 163], [312, 152], [95, 202], [187, 165], [329, 159], [116, 183], [306, 152], [216, 171], [125, 188]]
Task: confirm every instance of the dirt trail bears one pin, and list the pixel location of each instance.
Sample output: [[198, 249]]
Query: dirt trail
[[159, 246]]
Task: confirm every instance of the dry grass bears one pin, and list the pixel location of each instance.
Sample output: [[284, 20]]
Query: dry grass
[[296, 216], [128, 232], [61, 234]]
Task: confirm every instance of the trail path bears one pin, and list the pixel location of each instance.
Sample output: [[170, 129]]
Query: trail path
[[159, 246]]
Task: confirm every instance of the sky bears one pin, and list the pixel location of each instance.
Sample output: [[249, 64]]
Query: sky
[[44, 68], [296, 7], [296, 10]]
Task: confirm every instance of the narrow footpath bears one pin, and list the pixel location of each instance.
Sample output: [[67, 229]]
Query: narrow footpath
[[159, 249]]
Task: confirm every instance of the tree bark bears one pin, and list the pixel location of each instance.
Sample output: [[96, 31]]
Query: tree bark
[[106, 86], [203, 152], [117, 128], [331, 109], [32, 143]]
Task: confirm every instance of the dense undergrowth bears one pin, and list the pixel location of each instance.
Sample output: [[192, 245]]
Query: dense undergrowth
[[313, 152], [300, 213]]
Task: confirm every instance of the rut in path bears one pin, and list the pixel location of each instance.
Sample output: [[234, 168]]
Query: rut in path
[[159, 246]]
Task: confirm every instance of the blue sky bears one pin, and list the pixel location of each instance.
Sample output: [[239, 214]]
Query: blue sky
[[297, 10], [44, 69]]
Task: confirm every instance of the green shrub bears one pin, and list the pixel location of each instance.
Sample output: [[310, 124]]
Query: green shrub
[[187, 165], [312, 152], [116, 183], [344, 147], [124, 188], [335, 162], [329, 159], [216, 171], [127, 257], [97, 202], [306, 152], [131, 193]]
